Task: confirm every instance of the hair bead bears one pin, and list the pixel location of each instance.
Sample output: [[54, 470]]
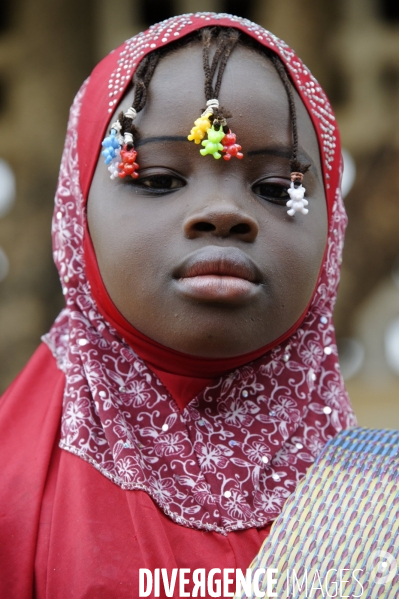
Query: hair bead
[[297, 201], [119, 143], [128, 166], [230, 147], [212, 123], [212, 144]]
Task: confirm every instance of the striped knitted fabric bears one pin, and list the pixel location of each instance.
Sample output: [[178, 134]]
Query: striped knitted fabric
[[337, 535]]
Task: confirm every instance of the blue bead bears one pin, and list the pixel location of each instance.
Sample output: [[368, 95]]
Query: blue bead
[[110, 145]]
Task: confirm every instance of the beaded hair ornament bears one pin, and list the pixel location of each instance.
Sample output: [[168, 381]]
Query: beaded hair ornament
[[210, 129], [119, 153], [213, 121]]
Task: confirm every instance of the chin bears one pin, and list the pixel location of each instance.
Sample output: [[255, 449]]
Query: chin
[[214, 338]]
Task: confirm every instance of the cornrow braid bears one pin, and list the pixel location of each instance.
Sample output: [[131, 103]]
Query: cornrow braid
[[232, 40], [295, 165], [206, 41], [220, 46], [119, 152], [225, 41], [141, 81], [297, 201]]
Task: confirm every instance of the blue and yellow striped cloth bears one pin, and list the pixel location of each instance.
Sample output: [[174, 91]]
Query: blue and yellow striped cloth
[[337, 535]]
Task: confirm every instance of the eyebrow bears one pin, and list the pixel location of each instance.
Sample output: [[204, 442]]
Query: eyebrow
[[285, 153], [272, 151], [161, 138]]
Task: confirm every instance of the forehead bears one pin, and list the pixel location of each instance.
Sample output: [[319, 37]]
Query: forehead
[[251, 91]]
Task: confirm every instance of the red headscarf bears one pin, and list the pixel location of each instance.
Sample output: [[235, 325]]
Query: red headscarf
[[230, 458]]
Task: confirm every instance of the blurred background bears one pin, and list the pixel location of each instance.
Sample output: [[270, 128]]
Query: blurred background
[[48, 47]]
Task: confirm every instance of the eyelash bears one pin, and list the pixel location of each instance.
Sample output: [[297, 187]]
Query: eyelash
[[166, 183], [145, 182], [272, 192]]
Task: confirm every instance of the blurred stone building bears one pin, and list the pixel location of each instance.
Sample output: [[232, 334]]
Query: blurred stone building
[[48, 47]]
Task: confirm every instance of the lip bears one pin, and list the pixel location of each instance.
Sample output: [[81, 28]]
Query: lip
[[218, 274]]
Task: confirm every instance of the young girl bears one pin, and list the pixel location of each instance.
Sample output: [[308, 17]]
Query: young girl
[[192, 378]]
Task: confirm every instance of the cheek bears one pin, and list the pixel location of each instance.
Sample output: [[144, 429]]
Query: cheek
[[303, 262], [293, 250], [295, 280], [131, 245]]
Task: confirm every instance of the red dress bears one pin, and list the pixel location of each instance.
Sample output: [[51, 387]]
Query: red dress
[[69, 532]]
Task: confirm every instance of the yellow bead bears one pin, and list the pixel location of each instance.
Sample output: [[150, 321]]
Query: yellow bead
[[198, 132], [196, 135]]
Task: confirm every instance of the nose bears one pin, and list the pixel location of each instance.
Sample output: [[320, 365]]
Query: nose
[[224, 220]]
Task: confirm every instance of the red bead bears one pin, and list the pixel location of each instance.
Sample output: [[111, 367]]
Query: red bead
[[128, 166], [230, 147]]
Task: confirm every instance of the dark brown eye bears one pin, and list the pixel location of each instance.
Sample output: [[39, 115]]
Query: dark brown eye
[[160, 182], [273, 192]]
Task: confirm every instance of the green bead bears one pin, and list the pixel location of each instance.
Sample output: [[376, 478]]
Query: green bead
[[212, 145]]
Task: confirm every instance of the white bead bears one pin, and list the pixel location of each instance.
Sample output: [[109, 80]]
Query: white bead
[[244, 393], [130, 113], [327, 410], [324, 320], [128, 138], [83, 341], [122, 389], [265, 460], [102, 394], [165, 427], [299, 445], [297, 201], [275, 477], [328, 350], [66, 279], [227, 494], [59, 215]]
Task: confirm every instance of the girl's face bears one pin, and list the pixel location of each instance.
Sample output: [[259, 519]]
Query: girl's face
[[200, 254]]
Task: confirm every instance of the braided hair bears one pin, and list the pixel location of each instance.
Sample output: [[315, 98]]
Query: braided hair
[[225, 40]]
